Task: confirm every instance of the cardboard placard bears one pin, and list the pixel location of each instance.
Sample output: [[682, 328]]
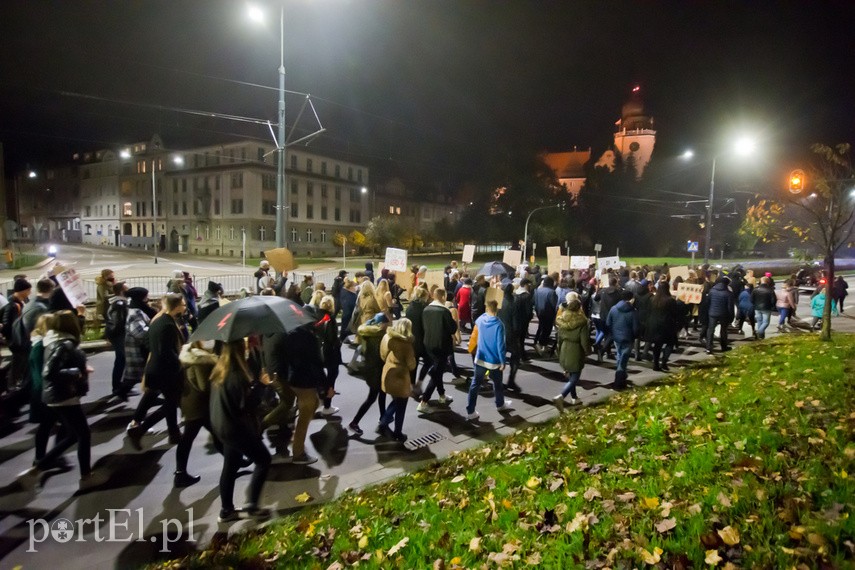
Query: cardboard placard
[[494, 294], [281, 259], [435, 277], [468, 253], [581, 261], [72, 286], [396, 259], [681, 271], [512, 257], [612, 262], [690, 293], [565, 263], [553, 260], [404, 280]]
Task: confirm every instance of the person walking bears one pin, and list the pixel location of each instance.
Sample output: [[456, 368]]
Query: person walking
[[546, 308], [234, 419], [523, 311], [512, 336], [347, 299], [489, 358], [370, 337], [210, 300], [398, 355], [306, 376], [17, 376], [439, 329], [65, 377], [720, 313], [839, 290], [763, 300], [163, 374], [326, 330], [574, 344], [785, 302], [817, 308], [663, 323], [114, 332], [335, 291], [463, 303], [415, 310], [103, 290], [139, 317], [195, 407], [745, 311], [622, 325]]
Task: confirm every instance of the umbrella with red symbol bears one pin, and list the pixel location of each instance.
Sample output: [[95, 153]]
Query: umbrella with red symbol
[[251, 315]]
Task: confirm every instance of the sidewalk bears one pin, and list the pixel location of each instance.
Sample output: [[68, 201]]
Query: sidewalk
[[140, 483]]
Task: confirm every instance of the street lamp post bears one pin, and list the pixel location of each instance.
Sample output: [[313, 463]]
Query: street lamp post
[[154, 210], [280, 165], [525, 232], [708, 234]]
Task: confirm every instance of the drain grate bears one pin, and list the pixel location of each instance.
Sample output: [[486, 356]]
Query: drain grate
[[423, 441]]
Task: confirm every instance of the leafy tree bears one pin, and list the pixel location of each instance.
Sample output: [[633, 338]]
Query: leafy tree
[[339, 239], [385, 231], [357, 239], [823, 214]]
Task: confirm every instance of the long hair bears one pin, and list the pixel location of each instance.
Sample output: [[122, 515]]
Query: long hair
[[403, 326], [233, 357], [366, 289], [65, 322], [663, 293]]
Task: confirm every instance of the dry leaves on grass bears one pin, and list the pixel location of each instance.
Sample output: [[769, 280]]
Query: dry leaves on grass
[[729, 535], [665, 525], [401, 544], [303, 498]]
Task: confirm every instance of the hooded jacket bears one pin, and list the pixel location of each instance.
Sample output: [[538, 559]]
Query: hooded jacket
[[721, 301], [573, 340], [396, 350], [622, 322], [370, 337], [490, 351], [64, 376]]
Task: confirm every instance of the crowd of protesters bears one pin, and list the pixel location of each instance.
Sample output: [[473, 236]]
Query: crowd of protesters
[[404, 346]]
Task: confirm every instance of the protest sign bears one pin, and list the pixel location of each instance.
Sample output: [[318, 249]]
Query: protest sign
[[690, 293], [565, 263], [553, 260], [396, 259], [612, 262], [435, 277], [72, 286], [512, 257], [494, 294], [581, 261], [468, 253], [281, 259], [681, 271]]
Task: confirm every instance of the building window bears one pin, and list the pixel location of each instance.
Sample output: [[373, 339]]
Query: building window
[[338, 193], [310, 189], [338, 171], [237, 179], [293, 235], [293, 187], [268, 207], [184, 208], [268, 182], [323, 212], [237, 206], [324, 191], [310, 212], [231, 233], [323, 236], [323, 167], [337, 214], [261, 232], [126, 209], [217, 233], [175, 208], [359, 175], [294, 209], [294, 161], [309, 236], [89, 212], [198, 233], [391, 209], [184, 185], [350, 173], [308, 165]]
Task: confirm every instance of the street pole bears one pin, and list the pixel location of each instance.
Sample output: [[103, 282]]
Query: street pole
[[525, 231], [344, 253], [154, 208], [281, 213], [708, 238]]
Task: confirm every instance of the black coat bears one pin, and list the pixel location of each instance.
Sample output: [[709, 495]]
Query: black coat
[[439, 329], [234, 408], [64, 373], [414, 312], [721, 301], [163, 370], [663, 321]]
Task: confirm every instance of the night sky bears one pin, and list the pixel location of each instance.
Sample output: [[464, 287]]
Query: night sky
[[428, 85]]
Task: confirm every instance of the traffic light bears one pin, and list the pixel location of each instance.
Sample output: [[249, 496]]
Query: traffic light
[[797, 181]]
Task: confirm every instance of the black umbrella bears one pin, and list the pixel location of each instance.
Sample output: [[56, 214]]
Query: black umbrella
[[496, 268], [253, 315]]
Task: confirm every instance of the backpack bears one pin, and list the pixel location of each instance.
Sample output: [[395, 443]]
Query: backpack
[[19, 338], [114, 325]]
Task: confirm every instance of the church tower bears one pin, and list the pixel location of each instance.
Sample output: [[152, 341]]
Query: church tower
[[635, 136]]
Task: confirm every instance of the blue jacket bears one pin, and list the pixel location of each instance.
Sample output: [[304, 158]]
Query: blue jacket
[[721, 301], [622, 322], [490, 352], [545, 301], [746, 305]]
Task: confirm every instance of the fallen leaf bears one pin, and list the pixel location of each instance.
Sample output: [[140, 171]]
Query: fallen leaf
[[695, 509], [363, 542], [533, 559], [650, 558], [722, 498], [591, 494], [533, 482], [401, 544], [475, 544], [729, 535], [490, 482], [303, 498], [650, 502], [555, 484], [626, 497], [458, 479], [665, 525], [712, 558]]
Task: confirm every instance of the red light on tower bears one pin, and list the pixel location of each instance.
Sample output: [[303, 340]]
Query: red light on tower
[[636, 89]]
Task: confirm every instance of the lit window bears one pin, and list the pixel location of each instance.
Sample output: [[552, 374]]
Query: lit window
[[127, 209]]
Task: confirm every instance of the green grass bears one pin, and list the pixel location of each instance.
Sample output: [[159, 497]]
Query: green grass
[[22, 260], [746, 461]]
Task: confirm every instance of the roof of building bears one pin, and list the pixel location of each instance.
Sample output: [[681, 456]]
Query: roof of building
[[568, 164]]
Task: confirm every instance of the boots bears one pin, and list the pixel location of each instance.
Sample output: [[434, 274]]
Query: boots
[[620, 379]]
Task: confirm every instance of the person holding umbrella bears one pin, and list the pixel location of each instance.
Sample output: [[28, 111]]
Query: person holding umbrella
[[234, 419]]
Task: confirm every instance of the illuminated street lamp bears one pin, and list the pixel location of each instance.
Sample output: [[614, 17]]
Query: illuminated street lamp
[[256, 14]]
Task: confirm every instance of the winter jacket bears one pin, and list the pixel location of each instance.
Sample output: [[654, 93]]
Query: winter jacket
[[305, 361], [368, 307], [163, 369], [643, 300], [763, 298], [784, 299], [523, 306], [745, 305], [196, 394], [326, 330], [817, 305], [622, 322], [370, 337], [36, 362], [439, 329], [136, 345], [32, 311], [545, 301], [414, 312], [663, 321], [506, 315], [608, 298], [463, 299], [64, 376], [573, 340], [209, 303], [721, 301], [490, 351], [479, 301], [117, 318], [234, 408], [396, 351], [839, 289]]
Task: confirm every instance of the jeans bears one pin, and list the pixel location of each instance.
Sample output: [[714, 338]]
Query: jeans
[[118, 367], [255, 451], [763, 320], [498, 388], [439, 361], [600, 327], [545, 323], [570, 386], [723, 322], [624, 351], [784, 312], [76, 431], [396, 409]]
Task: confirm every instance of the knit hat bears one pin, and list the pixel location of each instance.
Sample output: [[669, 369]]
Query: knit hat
[[214, 287], [136, 293], [21, 285], [342, 273]]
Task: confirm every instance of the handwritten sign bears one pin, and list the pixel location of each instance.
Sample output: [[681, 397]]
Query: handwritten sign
[[512, 257], [681, 271], [396, 259], [468, 253], [581, 261], [281, 259], [565, 263], [553, 260], [72, 286], [690, 293], [612, 262]]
